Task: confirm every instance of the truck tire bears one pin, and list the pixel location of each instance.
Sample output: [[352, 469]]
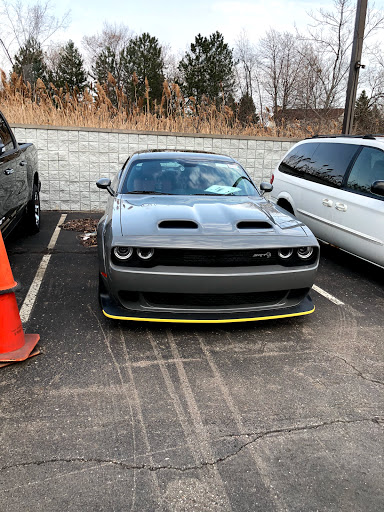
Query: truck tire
[[33, 211]]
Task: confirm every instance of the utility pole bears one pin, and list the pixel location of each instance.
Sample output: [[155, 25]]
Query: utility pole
[[358, 36]]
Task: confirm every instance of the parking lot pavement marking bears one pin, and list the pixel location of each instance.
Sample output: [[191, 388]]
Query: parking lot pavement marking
[[29, 300], [56, 233], [328, 296]]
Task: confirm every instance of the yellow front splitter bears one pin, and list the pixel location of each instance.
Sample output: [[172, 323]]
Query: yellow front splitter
[[216, 321]]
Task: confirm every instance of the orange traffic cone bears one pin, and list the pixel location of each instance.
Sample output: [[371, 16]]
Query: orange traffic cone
[[7, 283], [14, 344]]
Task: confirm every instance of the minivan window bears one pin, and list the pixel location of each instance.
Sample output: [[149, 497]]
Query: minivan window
[[368, 168], [324, 163], [298, 161]]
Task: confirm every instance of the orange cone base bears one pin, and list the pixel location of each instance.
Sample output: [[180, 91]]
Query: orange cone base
[[22, 353], [35, 352]]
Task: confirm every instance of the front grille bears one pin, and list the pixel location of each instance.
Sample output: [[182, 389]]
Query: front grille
[[205, 258], [205, 300], [213, 258]]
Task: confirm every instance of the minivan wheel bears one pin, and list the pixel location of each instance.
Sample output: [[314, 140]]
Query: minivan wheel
[[33, 211]]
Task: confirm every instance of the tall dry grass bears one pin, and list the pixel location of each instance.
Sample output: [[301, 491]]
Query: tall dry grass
[[47, 105]]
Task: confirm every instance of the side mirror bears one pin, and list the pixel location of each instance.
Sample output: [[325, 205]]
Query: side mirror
[[377, 187], [265, 187], [105, 184], [2, 148]]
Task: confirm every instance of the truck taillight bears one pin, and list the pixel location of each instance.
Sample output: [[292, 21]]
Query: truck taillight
[[272, 178]]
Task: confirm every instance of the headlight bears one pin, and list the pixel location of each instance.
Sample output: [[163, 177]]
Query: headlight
[[123, 253], [145, 253], [305, 252], [285, 253]]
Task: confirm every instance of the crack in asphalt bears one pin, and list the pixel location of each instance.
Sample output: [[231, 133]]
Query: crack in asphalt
[[359, 372], [287, 430], [256, 437]]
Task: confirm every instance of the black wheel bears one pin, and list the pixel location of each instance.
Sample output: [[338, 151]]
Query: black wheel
[[33, 211]]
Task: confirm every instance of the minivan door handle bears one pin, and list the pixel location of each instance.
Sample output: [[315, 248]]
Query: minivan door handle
[[340, 206], [7, 172], [327, 202]]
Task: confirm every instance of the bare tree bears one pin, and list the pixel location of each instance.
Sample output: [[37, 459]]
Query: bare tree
[[281, 65], [171, 62], [24, 22], [247, 62], [330, 34], [113, 36], [373, 78], [309, 86], [248, 73]]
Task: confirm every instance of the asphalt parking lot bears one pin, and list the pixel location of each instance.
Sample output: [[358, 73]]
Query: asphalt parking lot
[[284, 415]]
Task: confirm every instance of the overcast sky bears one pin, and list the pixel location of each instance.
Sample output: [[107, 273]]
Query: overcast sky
[[177, 23]]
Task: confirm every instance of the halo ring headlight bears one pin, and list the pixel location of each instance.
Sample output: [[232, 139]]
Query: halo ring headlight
[[285, 253], [304, 252], [145, 253], [122, 253]]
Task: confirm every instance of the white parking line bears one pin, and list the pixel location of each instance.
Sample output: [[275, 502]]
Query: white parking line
[[328, 296], [30, 299]]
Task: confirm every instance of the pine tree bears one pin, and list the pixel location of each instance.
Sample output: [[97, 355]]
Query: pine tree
[[107, 62], [29, 62], [247, 111], [208, 68], [363, 113], [70, 68], [143, 56]]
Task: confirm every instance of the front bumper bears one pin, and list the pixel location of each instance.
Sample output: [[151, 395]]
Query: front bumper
[[117, 312], [142, 294], [204, 280]]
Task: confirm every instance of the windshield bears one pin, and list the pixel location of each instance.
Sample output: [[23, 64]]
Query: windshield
[[183, 176]]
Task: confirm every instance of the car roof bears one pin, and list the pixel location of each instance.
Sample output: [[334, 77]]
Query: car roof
[[161, 154], [352, 139], [358, 140]]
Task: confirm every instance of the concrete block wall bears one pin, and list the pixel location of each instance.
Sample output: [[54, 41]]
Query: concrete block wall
[[71, 160]]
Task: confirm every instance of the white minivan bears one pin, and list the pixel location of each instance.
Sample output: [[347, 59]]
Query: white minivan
[[335, 185]]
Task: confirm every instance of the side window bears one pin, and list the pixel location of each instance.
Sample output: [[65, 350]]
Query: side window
[[320, 162], [5, 137], [368, 168], [331, 162], [298, 160]]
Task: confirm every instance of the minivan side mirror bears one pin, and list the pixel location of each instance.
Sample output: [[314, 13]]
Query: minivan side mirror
[[265, 187], [105, 183], [2, 148], [377, 187]]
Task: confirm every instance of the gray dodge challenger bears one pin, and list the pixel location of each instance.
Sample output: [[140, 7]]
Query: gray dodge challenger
[[188, 237]]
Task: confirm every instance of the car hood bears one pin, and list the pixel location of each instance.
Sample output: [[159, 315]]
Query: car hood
[[209, 216]]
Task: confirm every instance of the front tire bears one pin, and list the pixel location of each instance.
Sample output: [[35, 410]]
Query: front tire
[[33, 211]]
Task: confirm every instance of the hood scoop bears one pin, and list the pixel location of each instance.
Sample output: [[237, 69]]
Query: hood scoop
[[253, 224], [178, 224]]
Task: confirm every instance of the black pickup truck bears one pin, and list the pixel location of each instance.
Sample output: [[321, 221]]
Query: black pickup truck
[[19, 182]]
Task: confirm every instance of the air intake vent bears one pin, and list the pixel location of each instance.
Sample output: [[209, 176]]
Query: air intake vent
[[251, 224], [178, 224]]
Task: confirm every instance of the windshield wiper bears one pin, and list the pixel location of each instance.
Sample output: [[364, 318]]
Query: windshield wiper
[[150, 192]]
